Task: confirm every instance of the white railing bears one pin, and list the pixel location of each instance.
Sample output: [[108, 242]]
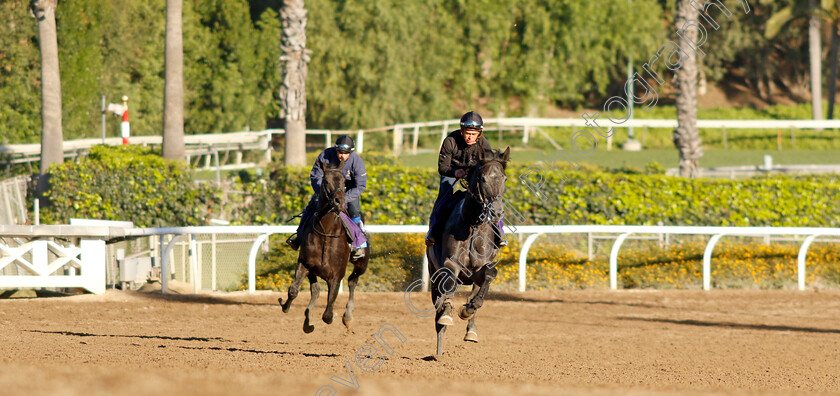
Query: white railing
[[811, 233], [622, 233], [91, 262], [261, 140]]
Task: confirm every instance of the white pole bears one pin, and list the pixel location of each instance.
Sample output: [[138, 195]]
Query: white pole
[[194, 265]]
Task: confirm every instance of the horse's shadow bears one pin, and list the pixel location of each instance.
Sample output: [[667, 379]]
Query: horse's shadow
[[195, 298], [502, 296], [732, 325]]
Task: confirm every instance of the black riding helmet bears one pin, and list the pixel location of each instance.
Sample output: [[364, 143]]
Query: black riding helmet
[[472, 120], [344, 144]]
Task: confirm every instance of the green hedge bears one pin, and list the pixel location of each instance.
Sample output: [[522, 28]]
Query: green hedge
[[129, 183], [400, 195]]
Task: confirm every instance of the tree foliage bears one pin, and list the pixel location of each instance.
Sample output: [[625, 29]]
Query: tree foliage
[[373, 62]]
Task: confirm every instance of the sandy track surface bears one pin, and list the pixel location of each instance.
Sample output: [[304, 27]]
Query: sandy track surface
[[540, 343]]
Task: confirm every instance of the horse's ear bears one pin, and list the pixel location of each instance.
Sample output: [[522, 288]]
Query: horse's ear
[[506, 155]]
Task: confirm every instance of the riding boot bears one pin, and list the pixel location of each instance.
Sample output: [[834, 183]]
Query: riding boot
[[294, 241], [498, 236], [430, 240], [359, 252]]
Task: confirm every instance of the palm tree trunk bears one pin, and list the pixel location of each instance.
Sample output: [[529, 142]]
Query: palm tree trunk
[[832, 79], [816, 68], [52, 138], [173, 93], [687, 136], [292, 93]]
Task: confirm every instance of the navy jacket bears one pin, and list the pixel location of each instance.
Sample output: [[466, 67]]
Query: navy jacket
[[456, 154], [355, 174]]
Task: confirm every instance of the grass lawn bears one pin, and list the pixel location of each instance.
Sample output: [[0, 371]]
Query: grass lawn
[[666, 157]]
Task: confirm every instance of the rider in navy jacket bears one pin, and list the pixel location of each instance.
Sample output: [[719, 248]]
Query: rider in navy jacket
[[355, 176]]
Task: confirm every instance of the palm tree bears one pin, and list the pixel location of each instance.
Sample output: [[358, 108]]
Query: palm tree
[[812, 10], [687, 136], [52, 139], [173, 92], [292, 93]]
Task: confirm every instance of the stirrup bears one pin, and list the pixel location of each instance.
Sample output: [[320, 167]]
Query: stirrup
[[358, 253], [293, 242]]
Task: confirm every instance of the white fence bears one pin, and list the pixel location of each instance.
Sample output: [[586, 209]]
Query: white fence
[[210, 145], [533, 232], [90, 263]]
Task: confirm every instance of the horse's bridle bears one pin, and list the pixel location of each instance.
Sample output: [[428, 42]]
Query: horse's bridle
[[478, 195], [334, 208]]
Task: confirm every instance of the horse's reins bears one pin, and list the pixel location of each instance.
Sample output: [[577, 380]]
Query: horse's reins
[[334, 208], [487, 205]]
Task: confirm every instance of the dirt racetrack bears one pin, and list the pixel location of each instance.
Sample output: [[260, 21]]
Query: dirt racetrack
[[536, 343]]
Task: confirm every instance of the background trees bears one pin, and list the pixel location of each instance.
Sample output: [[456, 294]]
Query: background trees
[[373, 62]]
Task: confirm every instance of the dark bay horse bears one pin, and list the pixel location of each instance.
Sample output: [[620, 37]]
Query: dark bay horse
[[324, 251], [467, 248]]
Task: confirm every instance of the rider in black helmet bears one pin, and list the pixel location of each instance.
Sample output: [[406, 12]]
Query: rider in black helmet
[[458, 153], [355, 176]]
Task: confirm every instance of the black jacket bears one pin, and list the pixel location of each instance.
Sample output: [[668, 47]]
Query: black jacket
[[456, 154]]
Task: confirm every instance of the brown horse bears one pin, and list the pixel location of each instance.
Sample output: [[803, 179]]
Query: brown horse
[[467, 246], [324, 251]]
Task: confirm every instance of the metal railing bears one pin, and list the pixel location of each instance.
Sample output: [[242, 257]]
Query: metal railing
[[622, 233], [533, 232], [261, 140]]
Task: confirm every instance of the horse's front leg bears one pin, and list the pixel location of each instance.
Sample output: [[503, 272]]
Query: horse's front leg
[[472, 331], [332, 293], [358, 270], [294, 288], [314, 291], [476, 301]]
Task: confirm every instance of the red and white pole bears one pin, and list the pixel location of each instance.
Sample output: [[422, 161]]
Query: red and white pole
[[124, 128]]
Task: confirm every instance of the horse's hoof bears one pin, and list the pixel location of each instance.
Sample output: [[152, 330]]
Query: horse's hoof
[[327, 318], [286, 308], [280, 300], [465, 314], [471, 336], [445, 320], [308, 328], [346, 320]]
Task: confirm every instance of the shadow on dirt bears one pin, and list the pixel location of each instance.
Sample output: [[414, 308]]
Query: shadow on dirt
[[731, 325], [258, 351], [76, 334], [501, 296], [196, 298]]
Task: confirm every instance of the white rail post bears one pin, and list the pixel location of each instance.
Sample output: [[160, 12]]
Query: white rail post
[[707, 261], [614, 260], [416, 136], [165, 273], [525, 133], [252, 262], [360, 141], [800, 260], [523, 257], [195, 278], [398, 138], [425, 273], [443, 131], [213, 261]]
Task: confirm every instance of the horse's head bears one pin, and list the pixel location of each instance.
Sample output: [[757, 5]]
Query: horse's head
[[487, 180], [332, 188]]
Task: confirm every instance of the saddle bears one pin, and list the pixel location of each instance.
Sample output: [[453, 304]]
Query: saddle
[[444, 211]]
